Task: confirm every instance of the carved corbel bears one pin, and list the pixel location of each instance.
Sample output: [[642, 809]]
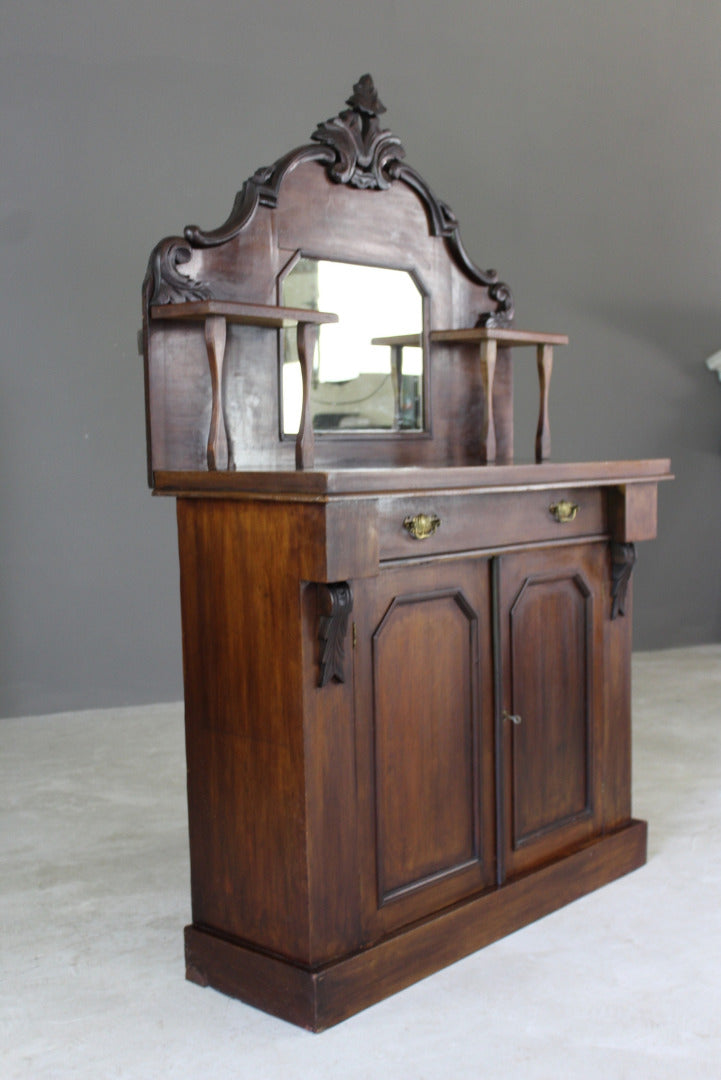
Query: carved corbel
[[623, 558], [335, 603]]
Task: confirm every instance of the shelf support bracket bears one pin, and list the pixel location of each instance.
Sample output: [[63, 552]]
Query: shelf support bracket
[[335, 603], [305, 443], [215, 337], [488, 431], [544, 360], [623, 558]]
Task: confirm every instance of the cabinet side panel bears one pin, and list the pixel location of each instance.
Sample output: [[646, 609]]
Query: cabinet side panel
[[331, 794], [617, 712], [244, 728]]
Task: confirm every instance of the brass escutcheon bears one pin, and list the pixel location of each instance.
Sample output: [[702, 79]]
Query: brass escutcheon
[[564, 511], [422, 526]]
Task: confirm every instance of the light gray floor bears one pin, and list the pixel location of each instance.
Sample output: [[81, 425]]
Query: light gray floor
[[94, 896]]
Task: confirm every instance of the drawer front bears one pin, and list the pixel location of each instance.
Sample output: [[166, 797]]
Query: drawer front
[[449, 523]]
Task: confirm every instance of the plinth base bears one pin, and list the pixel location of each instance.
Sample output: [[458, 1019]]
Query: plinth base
[[318, 999]]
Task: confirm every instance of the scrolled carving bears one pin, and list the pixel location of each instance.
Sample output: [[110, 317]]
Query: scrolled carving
[[623, 558], [335, 603], [355, 150], [363, 149], [260, 190], [170, 284], [443, 222], [503, 315]]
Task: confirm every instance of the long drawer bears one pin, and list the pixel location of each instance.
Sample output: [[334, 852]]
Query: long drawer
[[470, 522]]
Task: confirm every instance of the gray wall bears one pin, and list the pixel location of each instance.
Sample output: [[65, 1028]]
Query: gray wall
[[580, 146]]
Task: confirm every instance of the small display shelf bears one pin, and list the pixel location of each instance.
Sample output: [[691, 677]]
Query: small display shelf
[[216, 314]]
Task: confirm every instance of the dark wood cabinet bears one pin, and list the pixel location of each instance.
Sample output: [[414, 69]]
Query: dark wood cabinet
[[406, 656]]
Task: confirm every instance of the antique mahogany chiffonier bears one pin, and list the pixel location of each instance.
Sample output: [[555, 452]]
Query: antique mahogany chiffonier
[[406, 657]]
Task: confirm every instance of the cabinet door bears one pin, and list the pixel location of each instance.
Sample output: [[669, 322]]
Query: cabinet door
[[550, 716], [425, 732]]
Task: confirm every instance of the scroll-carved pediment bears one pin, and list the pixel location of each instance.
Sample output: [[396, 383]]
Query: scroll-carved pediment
[[355, 151]]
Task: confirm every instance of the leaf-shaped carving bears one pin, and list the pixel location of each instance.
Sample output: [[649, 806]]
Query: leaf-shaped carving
[[623, 557], [363, 149], [336, 604], [170, 284], [355, 150]]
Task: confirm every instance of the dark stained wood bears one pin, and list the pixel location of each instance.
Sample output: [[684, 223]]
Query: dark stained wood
[[551, 643], [269, 315], [335, 603], [505, 336], [424, 759], [488, 425], [319, 1000], [633, 512], [215, 334], [305, 442], [544, 361], [485, 521], [618, 635], [403, 741], [359, 481], [623, 559]]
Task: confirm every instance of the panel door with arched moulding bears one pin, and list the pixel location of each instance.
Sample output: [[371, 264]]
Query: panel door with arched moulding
[[551, 710], [424, 682]]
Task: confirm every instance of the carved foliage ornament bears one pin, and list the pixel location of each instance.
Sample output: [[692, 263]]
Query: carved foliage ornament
[[355, 150], [363, 149], [335, 604], [623, 558]]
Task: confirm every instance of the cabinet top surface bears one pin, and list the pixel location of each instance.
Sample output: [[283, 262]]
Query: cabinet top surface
[[318, 484]]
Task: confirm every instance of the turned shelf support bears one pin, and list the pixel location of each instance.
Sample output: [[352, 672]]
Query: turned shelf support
[[215, 315], [215, 338], [488, 340], [488, 351]]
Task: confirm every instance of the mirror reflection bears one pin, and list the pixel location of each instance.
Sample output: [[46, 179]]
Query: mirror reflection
[[363, 378]]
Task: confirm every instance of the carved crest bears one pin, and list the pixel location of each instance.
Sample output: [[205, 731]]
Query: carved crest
[[355, 150], [363, 149]]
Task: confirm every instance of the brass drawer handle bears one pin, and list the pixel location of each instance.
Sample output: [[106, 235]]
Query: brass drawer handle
[[421, 526], [564, 511]]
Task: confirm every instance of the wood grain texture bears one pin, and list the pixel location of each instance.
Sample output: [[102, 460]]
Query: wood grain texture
[[400, 747], [544, 363], [244, 314], [360, 481], [633, 512], [485, 521], [551, 623], [424, 751], [320, 999], [348, 197], [215, 335], [488, 425], [307, 336]]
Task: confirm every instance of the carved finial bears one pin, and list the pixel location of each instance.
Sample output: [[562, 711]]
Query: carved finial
[[364, 152], [365, 97]]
